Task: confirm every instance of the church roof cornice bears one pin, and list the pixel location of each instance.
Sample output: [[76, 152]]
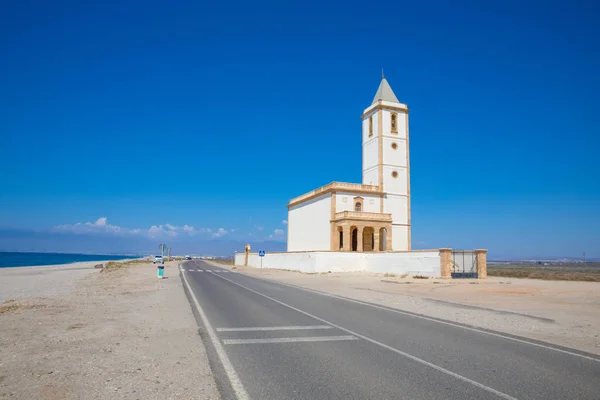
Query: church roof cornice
[[381, 105], [355, 188]]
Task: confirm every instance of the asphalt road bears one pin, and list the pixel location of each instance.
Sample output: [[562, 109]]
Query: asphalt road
[[267, 340]]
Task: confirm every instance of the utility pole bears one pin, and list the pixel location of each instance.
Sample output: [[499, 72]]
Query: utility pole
[[584, 258]]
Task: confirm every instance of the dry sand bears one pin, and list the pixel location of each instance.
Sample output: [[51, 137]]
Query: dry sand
[[121, 334], [565, 313]]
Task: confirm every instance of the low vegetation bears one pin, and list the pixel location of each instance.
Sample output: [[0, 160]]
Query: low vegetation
[[12, 305], [420, 277], [388, 275], [546, 274], [115, 265]]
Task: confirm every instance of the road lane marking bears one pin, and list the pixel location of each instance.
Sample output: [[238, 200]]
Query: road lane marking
[[234, 380], [290, 339], [190, 270], [275, 328], [469, 328], [385, 346]]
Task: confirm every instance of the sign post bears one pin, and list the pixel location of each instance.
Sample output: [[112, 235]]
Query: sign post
[[261, 254]]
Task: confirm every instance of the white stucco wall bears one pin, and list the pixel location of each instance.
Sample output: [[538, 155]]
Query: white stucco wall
[[398, 207], [371, 177], [399, 238], [394, 157], [345, 202], [365, 126], [309, 225], [386, 123], [370, 154], [398, 185], [413, 263]]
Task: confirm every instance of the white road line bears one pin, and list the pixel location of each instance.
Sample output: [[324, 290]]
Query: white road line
[[434, 320], [234, 380], [275, 328], [417, 359], [290, 340], [190, 269]]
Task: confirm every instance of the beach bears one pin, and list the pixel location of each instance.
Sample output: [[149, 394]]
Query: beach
[[73, 332], [42, 280]]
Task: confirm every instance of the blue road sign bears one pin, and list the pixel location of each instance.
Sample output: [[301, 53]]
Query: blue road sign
[[261, 253]]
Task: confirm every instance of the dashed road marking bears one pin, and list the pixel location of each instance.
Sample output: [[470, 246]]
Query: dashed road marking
[[290, 340], [275, 328]]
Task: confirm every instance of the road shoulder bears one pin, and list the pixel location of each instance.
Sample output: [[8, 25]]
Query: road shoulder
[[119, 334]]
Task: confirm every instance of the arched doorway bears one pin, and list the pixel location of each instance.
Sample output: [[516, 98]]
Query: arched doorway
[[354, 238], [368, 239], [382, 239], [341, 238]]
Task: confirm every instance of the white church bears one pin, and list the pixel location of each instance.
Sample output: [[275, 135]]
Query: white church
[[370, 216], [366, 226]]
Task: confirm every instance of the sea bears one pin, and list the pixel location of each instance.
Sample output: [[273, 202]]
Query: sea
[[9, 259]]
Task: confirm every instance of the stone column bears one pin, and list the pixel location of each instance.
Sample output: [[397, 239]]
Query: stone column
[[359, 239], [376, 240], [446, 263], [347, 239], [481, 255], [388, 239]]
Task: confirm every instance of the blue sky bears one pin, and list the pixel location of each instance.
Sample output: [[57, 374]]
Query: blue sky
[[213, 116]]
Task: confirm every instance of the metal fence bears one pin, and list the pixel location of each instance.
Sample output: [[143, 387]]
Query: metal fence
[[464, 264]]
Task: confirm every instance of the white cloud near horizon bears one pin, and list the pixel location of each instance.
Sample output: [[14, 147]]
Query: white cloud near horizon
[[220, 233], [277, 234], [284, 222], [101, 226]]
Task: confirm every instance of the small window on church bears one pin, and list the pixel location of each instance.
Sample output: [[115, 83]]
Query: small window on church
[[370, 126], [394, 123], [394, 146], [395, 174], [358, 207]]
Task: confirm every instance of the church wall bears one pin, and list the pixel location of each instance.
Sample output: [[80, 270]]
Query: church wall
[[396, 185], [371, 177], [371, 202], [309, 225], [365, 126], [394, 156], [398, 207], [399, 238], [387, 124], [370, 154]]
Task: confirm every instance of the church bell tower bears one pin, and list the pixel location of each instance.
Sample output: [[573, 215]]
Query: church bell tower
[[386, 159]]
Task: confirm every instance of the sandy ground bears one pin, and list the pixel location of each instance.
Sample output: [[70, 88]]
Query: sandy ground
[[122, 334], [561, 312]]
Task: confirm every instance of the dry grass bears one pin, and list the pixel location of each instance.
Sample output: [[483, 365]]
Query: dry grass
[[546, 274], [403, 276], [420, 277], [12, 305], [388, 275], [115, 265]]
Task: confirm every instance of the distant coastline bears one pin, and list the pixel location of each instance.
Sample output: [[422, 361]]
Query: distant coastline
[[23, 259]]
